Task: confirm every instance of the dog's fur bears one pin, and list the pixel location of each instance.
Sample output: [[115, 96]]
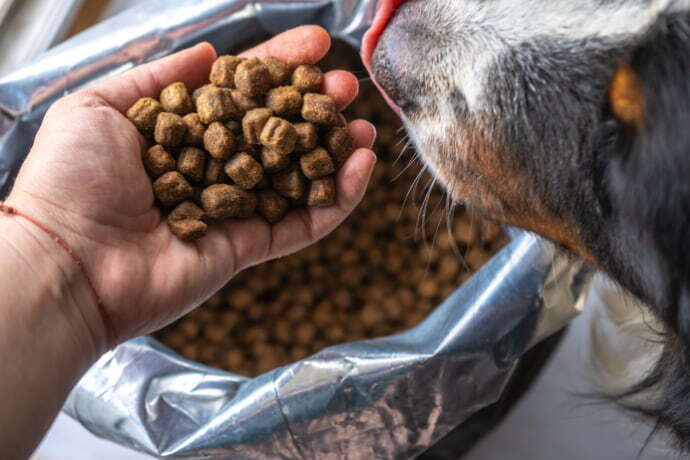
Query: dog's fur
[[570, 118]]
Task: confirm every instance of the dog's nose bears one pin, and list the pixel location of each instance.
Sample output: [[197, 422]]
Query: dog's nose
[[395, 61]]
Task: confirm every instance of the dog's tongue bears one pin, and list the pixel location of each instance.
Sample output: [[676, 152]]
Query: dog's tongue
[[384, 12]]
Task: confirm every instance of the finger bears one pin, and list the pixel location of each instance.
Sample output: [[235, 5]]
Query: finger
[[301, 45], [363, 132], [342, 86], [303, 227], [190, 66]]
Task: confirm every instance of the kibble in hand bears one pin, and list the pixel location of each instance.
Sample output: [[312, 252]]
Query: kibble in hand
[[192, 163], [244, 170], [144, 114], [172, 188], [307, 79], [279, 135], [319, 109], [158, 161], [257, 139], [219, 141], [175, 98], [186, 222]]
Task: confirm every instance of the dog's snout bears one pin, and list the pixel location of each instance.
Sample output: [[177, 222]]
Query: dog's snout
[[395, 63]]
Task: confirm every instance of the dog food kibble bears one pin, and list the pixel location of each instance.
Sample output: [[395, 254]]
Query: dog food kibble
[[307, 137], [252, 77], [170, 129], [216, 104], [284, 100], [219, 141], [307, 79], [215, 172], [172, 188], [158, 161], [322, 192], [279, 135], [258, 139], [339, 143], [272, 206], [223, 201], [186, 222], [244, 170], [278, 69], [316, 164], [273, 161], [319, 109], [195, 129], [192, 163], [223, 71], [253, 124], [144, 114], [290, 183], [175, 98]]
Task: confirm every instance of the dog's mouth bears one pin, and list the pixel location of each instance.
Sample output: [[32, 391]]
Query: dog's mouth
[[384, 13]]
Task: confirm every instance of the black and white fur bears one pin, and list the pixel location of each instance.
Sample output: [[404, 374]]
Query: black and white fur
[[508, 103]]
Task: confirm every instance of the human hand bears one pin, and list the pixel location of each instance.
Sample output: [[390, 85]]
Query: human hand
[[84, 179]]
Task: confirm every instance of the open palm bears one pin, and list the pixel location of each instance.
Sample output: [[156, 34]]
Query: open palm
[[84, 178]]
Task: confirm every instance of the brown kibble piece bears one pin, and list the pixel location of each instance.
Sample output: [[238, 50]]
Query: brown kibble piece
[[197, 92], [252, 77], [273, 161], [319, 109], [244, 170], [316, 164], [243, 102], [339, 143], [307, 79], [279, 135], [215, 173], [172, 188], [170, 129], [195, 129], [307, 137], [219, 141], [216, 104], [278, 69], [186, 222], [322, 192], [284, 100], [192, 163], [222, 201], [223, 71], [290, 183], [253, 124], [175, 98], [144, 114], [272, 206], [158, 161]]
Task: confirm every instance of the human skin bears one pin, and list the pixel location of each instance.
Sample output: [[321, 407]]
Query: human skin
[[84, 180]]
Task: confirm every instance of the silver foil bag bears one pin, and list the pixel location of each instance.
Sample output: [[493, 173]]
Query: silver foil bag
[[391, 397]]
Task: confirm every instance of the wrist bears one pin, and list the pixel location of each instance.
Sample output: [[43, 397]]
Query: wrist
[[50, 288]]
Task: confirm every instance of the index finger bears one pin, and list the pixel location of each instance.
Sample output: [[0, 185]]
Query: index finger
[[301, 45]]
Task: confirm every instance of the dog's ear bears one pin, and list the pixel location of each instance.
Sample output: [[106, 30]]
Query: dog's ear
[[649, 191]]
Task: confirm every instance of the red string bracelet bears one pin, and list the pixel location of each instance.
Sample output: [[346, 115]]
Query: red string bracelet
[[107, 323]]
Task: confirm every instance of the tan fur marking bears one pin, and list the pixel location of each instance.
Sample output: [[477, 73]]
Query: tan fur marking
[[626, 98]]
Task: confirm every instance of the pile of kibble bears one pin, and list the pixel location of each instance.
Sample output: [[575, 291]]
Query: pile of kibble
[[380, 273], [258, 138]]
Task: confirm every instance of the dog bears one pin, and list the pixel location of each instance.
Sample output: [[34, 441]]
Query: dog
[[568, 118]]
